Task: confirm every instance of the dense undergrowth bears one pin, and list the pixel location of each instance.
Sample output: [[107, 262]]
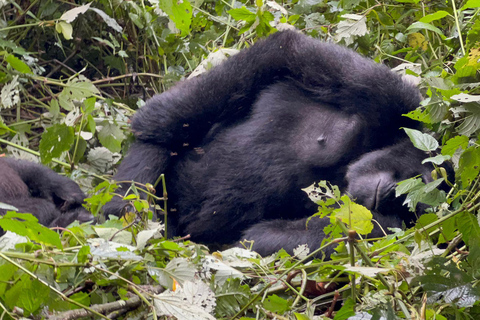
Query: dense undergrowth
[[72, 73]]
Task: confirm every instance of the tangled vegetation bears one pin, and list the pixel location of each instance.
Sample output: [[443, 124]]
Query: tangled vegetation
[[71, 75]]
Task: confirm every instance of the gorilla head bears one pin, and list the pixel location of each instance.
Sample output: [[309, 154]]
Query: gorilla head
[[56, 201]]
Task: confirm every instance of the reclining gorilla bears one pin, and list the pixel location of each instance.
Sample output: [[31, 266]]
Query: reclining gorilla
[[238, 143], [56, 201]]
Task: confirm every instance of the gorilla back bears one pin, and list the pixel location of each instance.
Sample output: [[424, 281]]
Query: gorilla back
[[239, 142]]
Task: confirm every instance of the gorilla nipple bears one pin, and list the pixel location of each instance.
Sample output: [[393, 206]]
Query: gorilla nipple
[[321, 139]]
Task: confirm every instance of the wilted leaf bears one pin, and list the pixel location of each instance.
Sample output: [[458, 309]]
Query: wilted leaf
[[194, 301], [179, 269], [64, 28], [355, 25], [72, 14], [108, 20]]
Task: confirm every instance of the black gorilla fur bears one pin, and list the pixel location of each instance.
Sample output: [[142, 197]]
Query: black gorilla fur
[[56, 201], [239, 142]]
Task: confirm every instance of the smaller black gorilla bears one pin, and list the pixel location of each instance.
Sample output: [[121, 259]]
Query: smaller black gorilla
[[56, 201], [371, 181]]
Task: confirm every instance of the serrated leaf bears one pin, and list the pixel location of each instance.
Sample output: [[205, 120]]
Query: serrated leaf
[[111, 137], [242, 14], [421, 140], [27, 225], [55, 140], [453, 144], [180, 12], [27, 294], [471, 123], [104, 249], [469, 166], [194, 301], [359, 216], [18, 64], [231, 296]]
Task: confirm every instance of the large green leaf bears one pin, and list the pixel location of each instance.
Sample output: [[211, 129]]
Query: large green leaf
[[55, 140]]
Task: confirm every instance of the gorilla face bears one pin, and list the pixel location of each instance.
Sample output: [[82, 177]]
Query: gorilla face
[[372, 179]]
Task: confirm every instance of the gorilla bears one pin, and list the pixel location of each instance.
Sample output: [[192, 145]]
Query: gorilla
[[56, 201], [238, 143]]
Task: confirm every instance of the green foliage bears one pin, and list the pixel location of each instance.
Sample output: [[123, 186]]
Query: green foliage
[[72, 73]]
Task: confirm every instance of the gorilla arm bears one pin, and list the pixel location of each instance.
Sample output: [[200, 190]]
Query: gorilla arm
[[182, 116]]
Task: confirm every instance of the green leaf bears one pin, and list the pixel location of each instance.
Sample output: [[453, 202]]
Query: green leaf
[[434, 16], [18, 64], [359, 216], [425, 220], [421, 140], [453, 144], [408, 1], [80, 297], [89, 105], [180, 12], [421, 25], [83, 254], [276, 304], [468, 225], [55, 140], [469, 166], [300, 316], [242, 14], [471, 4], [438, 160], [27, 225], [28, 295], [111, 137], [346, 311], [76, 90]]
